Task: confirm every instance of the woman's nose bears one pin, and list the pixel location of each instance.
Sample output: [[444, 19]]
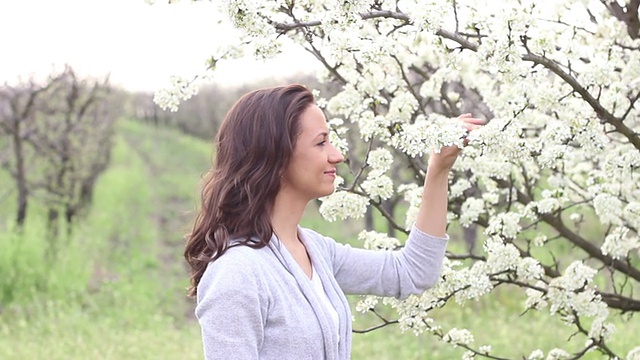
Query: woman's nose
[[335, 157]]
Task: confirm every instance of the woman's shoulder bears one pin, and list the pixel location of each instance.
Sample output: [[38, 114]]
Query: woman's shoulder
[[238, 265], [239, 257]]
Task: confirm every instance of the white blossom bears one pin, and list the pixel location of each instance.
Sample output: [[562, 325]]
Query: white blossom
[[529, 268], [539, 240], [505, 224], [423, 136], [575, 217], [457, 337], [459, 187], [536, 299], [632, 214], [468, 355], [470, 283], [367, 303], [601, 329], [548, 205], [378, 186], [536, 355], [575, 276], [179, 90], [373, 125], [608, 208], [413, 195], [619, 242], [503, 256], [428, 15], [378, 241], [343, 205], [339, 142], [634, 354], [558, 354], [346, 102], [472, 208], [402, 107], [380, 160]]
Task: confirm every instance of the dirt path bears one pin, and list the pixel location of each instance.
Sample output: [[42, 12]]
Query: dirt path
[[171, 216]]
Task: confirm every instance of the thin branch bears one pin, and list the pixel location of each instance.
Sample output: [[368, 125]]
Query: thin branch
[[594, 103], [361, 169], [384, 323], [455, 14], [409, 86], [332, 69], [595, 252], [632, 102]]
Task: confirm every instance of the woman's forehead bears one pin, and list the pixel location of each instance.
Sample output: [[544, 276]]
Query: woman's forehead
[[313, 122]]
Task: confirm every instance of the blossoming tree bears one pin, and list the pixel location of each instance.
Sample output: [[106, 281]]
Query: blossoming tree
[[555, 167]]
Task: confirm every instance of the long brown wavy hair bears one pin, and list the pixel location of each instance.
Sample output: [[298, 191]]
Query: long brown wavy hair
[[252, 150]]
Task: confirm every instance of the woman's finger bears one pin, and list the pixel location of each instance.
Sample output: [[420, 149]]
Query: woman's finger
[[473, 120]]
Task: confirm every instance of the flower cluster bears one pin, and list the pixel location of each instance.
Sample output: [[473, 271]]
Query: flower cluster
[[428, 135], [179, 90], [343, 205], [377, 185], [378, 241], [458, 337], [619, 243], [506, 225], [413, 195]]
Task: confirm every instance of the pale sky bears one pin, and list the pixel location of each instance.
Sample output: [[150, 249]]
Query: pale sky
[[140, 45]]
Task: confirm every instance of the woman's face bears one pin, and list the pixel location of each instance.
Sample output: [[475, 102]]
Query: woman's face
[[312, 169]]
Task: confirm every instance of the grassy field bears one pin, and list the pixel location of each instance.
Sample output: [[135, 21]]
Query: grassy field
[[116, 290]]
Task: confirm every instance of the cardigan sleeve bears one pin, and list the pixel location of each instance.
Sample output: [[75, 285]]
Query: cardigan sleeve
[[231, 312], [411, 270]]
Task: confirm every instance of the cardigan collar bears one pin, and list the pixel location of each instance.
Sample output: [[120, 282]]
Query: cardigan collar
[[333, 290], [333, 351]]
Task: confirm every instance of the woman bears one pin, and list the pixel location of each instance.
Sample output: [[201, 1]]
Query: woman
[[267, 288]]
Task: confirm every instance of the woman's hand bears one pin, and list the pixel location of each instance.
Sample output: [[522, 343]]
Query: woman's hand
[[444, 160]]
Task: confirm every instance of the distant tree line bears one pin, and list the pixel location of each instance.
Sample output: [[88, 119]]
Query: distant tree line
[[201, 115]]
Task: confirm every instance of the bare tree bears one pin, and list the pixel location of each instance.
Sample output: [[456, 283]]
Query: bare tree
[[17, 109], [61, 134]]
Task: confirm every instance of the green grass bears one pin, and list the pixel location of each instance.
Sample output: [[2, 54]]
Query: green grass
[[116, 290]]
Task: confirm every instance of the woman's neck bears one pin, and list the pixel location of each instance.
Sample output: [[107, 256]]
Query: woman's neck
[[285, 217]]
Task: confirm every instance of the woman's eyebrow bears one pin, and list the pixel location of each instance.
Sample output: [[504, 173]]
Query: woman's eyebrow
[[322, 134]]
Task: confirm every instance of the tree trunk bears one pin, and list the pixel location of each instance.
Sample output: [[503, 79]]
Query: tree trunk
[[21, 178], [368, 219], [390, 207], [470, 235], [53, 225]]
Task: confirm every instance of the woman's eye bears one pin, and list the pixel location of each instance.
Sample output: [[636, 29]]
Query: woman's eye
[[322, 143]]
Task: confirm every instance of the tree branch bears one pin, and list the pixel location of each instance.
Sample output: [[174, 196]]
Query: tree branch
[[629, 17], [591, 249], [593, 102]]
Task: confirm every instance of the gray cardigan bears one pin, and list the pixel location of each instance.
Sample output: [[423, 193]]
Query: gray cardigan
[[259, 304]]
